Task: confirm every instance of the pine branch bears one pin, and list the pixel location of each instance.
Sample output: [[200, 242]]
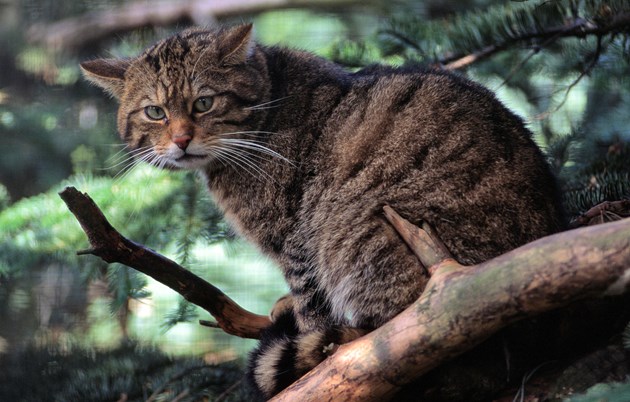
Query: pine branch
[[111, 246], [586, 71], [577, 28]]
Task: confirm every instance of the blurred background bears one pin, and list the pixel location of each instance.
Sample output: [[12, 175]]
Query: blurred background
[[569, 84]]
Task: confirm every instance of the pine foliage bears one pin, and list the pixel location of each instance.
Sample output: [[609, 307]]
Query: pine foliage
[[549, 52], [44, 233], [506, 26], [130, 372]]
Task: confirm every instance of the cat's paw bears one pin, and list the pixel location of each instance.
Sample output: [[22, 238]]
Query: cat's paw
[[282, 305]]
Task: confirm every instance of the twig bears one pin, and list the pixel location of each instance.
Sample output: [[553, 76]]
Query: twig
[[227, 392], [595, 215], [181, 395], [583, 73], [424, 243], [464, 61], [179, 375], [579, 28], [535, 50], [210, 324], [111, 246]]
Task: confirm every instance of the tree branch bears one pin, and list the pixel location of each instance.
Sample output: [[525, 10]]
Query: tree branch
[[462, 307], [78, 32], [111, 246], [424, 243], [578, 28], [603, 212], [459, 308]]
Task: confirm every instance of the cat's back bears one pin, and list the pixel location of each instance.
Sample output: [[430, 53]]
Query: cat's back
[[436, 147]]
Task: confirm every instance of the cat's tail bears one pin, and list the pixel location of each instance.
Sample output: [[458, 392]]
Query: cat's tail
[[284, 355]]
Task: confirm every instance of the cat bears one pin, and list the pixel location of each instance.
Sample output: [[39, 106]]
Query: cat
[[302, 155]]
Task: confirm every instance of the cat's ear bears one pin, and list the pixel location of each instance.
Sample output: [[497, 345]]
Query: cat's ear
[[108, 74], [237, 44]]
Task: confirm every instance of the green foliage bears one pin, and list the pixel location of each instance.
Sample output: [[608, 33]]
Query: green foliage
[[137, 372], [411, 36], [574, 92], [606, 178], [41, 229], [570, 85], [184, 312], [5, 198], [614, 392]]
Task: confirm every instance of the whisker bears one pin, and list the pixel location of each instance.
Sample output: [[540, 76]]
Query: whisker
[[245, 162], [268, 105], [254, 146], [118, 155], [252, 156], [126, 171], [149, 156], [226, 157], [250, 133], [114, 145], [127, 158], [227, 161], [192, 74]]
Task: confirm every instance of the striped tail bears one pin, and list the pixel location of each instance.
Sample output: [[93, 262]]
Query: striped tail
[[284, 355]]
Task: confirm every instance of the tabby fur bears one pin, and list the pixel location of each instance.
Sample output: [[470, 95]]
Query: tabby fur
[[302, 155]]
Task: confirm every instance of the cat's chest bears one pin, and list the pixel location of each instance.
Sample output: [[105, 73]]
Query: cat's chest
[[263, 211]]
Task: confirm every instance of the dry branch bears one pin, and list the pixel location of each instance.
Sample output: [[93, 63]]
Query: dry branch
[[603, 212], [77, 32], [424, 243], [111, 246], [462, 307]]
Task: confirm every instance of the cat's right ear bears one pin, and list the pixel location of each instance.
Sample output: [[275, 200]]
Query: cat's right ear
[[109, 74]]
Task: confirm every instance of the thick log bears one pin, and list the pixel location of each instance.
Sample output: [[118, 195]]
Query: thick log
[[461, 307], [111, 246]]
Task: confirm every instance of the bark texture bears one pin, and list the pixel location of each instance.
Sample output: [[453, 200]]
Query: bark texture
[[460, 308]]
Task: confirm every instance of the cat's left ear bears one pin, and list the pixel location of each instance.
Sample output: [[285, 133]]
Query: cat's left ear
[[237, 44], [108, 74]]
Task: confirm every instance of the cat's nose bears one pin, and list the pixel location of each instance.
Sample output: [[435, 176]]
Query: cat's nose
[[182, 141]]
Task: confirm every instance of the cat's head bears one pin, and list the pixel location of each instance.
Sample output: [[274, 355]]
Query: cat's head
[[190, 99]]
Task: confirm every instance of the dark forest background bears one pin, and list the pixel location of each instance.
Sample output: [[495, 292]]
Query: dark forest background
[[564, 66]]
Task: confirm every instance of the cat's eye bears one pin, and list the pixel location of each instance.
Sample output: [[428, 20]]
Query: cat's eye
[[154, 112], [202, 104]]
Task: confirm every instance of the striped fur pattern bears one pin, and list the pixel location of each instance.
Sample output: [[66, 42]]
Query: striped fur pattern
[[285, 353], [302, 155]]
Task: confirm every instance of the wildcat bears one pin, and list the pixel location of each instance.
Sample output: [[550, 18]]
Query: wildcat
[[301, 156]]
